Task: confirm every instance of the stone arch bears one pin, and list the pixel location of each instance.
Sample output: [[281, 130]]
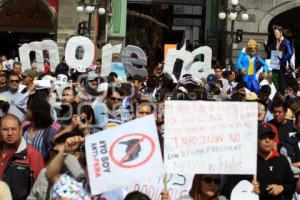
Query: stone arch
[[264, 24], [50, 11]]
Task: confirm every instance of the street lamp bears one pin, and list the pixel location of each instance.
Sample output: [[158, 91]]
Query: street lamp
[[237, 11], [89, 9]]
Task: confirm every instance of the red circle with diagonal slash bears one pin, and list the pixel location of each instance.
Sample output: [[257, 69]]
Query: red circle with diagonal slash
[[120, 163]]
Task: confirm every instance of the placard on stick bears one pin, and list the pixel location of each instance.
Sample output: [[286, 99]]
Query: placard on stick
[[210, 137]]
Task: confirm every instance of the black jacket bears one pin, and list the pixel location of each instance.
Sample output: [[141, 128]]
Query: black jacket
[[275, 170]]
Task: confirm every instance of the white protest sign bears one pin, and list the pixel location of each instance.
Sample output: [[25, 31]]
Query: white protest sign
[[38, 48], [178, 185], [123, 155], [70, 53], [8, 64], [275, 59], [243, 190], [132, 56], [210, 137], [199, 69], [107, 51]]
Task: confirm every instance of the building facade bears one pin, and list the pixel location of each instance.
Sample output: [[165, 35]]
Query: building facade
[[263, 14]]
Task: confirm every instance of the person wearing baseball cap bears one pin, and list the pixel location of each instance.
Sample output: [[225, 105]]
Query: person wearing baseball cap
[[27, 80], [274, 174]]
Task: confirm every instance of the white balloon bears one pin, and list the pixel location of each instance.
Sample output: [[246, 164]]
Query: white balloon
[[243, 190], [89, 51]]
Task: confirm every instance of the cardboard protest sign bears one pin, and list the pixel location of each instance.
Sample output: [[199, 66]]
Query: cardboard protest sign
[[210, 137], [275, 59], [38, 48], [70, 54], [198, 69], [178, 185], [123, 155], [107, 51], [167, 47]]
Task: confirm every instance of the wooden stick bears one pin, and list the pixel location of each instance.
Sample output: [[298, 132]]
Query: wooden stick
[[165, 183]]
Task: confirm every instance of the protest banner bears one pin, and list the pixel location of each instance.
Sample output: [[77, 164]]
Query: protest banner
[[134, 58], [178, 185], [275, 59], [210, 137], [123, 155]]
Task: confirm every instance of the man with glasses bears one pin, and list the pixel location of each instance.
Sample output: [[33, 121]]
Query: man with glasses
[[17, 100], [113, 101]]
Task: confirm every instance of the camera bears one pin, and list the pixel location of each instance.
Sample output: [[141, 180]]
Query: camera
[[83, 120]]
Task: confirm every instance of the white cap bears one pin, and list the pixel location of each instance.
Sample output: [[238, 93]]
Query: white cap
[[102, 87]]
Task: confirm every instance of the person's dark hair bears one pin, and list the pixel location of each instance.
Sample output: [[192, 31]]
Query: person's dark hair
[[12, 117], [196, 186], [113, 75], [17, 63], [71, 88], [40, 110], [62, 68], [137, 78], [4, 106], [114, 88], [279, 103], [14, 74], [143, 103], [88, 110], [297, 115], [218, 67], [292, 83], [136, 195]]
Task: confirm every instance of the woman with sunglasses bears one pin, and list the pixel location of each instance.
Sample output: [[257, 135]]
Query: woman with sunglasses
[[204, 187]]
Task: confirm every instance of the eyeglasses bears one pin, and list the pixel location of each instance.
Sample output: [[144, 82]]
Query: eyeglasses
[[94, 80], [209, 180], [14, 81], [116, 99]]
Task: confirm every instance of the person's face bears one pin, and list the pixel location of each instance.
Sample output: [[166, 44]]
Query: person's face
[[17, 69], [94, 83], [61, 80], [261, 112], [289, 91], [143, 110], [210, 185], [27, 80], [67, 97], [114, 101], [2, 79], [13, 82], [278, 34], [266, 143], [11, 132], [218, 73], [231, 77], [279, 114], [85, 118], [137, 85]]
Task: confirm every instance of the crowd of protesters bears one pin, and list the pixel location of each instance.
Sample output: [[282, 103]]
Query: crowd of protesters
[[42, 123]]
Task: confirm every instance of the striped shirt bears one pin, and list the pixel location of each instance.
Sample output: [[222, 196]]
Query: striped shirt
[[37, 141]]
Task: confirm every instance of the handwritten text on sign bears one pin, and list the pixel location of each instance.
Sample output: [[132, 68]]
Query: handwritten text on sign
[[178, 185], [210, 137]]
